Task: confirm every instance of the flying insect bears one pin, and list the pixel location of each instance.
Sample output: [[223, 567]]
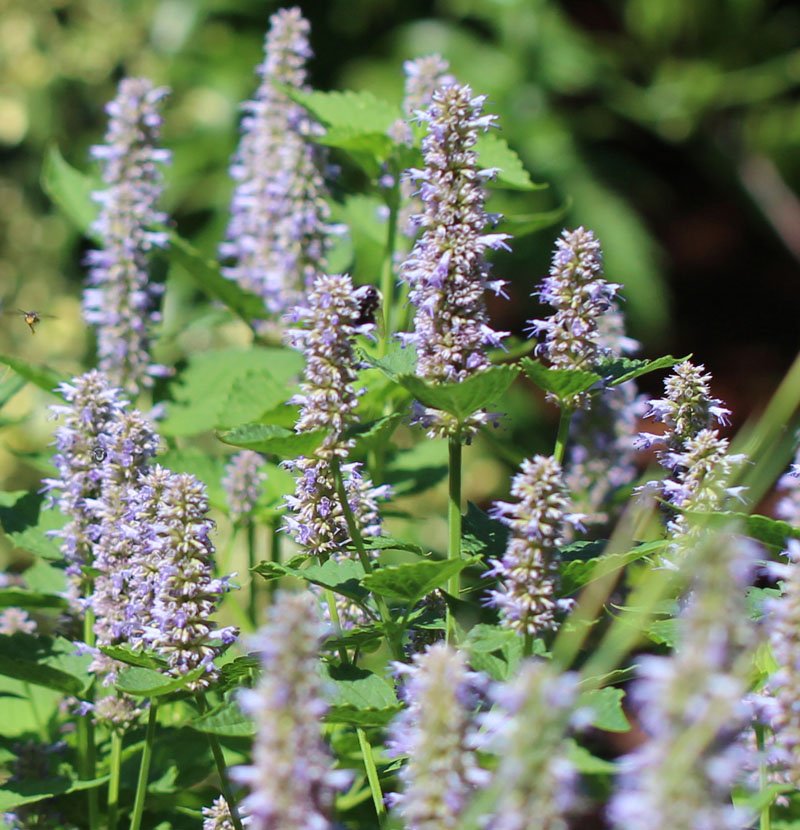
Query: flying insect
[[32, 317]]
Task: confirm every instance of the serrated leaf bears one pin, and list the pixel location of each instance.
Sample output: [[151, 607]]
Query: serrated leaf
[[272, 440], [461, 399], [494, 151], [663, 632], [624, 369], [70, 189], [398, 361], [355, 111], [227, 719], [39, 660], [376, 434], [521, 224], [241, 671], [352, 638], [144, 682], [370, 149], [41, 376], [363, 718], [134, 658], [359, 688], [26, 525], [607, 706], [342, 577], [250, 397], [487, 638], [203, 387], [207, 276], [579, 572], [411, 581], [22, 598], [480, 534], [563, 383], [390, 543]]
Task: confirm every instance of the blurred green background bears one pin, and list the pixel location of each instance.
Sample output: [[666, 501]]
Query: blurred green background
[[671, 127]]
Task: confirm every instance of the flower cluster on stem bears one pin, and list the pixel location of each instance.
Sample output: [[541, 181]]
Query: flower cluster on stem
[[438, 733], [529, 570], [277, 236], [242, 483], [447, 272], [691, 704], [291, 781], [121, 300]]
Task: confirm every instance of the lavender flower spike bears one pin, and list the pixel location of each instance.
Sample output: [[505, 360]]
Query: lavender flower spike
[[173, 591], [218, 816], [277, 236], [120, 299], [290, 780], [447, 272], [438, 733], [242, 483], [529, 571], [580, 295]]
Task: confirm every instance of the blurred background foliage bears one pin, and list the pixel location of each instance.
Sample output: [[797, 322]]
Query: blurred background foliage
[[670, 127]]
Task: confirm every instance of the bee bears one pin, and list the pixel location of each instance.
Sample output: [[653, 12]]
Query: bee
[[369, 301], [99, 454], [31, 317]]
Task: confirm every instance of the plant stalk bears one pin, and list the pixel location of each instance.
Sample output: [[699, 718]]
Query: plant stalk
[[144, 767], [251, 562], [765, 820], [113, 781], [454, 527], [85, 734], [387, 268], [372, 773], [563, 434]]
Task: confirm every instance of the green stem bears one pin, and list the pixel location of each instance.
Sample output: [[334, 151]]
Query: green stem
[[527, 645], [86, 746], [144, 768], [765, 821], [366, 562], [37, 718], [337, 624], [454, 525], [219, 760], [563, 434], [372, 773], [113, 781], [251, 562], [387, 269]]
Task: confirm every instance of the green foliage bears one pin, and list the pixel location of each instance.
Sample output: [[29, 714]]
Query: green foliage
[[70, 189], [563, 383], [26, 524], [40, 376], [408, 583], [272, 440], [44, 661]]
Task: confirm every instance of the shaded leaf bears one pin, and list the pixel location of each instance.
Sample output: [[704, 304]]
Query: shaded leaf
[[480, 534], [227, 719], [586, 763], [16, 793], [411, 581], [42, 661], [272, 440], [376, 434], [363, 717], [134, 658], [359, 688], [493, 151], [250, 397], [563, 383], [625, 368], [398, 361], [22, 598], [607, 706], [41, 376], [465, 397], [26, 525], [144, 682], [579, 572], [70, 189]]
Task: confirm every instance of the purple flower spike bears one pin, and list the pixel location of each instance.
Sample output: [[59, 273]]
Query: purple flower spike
[[438, 733], [529, 570], [242, 484], [277, 237], [447, 272], [291, 782], [120, 300]]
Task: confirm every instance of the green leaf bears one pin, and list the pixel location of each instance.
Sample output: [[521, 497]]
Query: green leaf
[[227, 719], [363, 718], [134, 658], [241, 671], [376, 434], [70, 189], [272, 440], [40, 376], [397, 362], [757, 598], [206, 274], [663, 632], [201, 391], [771, 532], [524, 223], [465, 397], [22, 598], [487, 638], [250, 397], [563, 383], [9, 387], [355, 111], [26, 525], [362, 638], [150, 683], [16, 793], [370, 150], [45, 578], [625, 368], [494, 151], [607, 706], [579, 572], [359, 688], [41, 661], [342, 577], [390, 543], [483, 535], [586, 763], [411, 581]]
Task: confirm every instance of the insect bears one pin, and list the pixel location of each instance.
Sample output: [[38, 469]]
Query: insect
[[99, 454], [369, 301], [31, 317]]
